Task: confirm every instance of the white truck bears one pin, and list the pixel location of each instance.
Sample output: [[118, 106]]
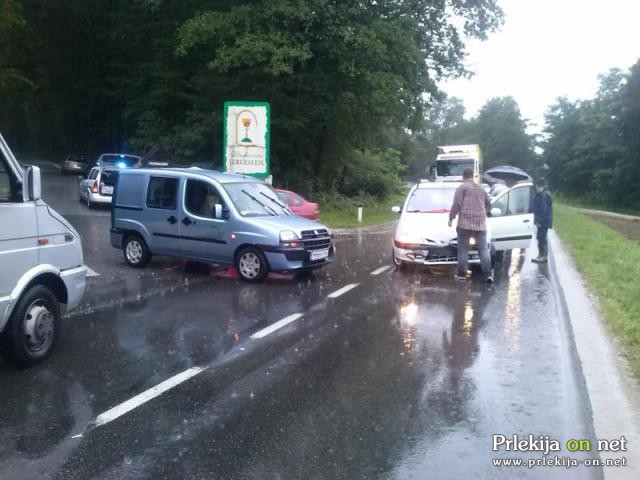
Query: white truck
[[41, 265], [453, 159]]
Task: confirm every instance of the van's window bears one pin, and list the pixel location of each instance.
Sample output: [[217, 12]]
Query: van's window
[[9, 187], [162, 192], [200, 197], [453, 168], [256, 199]]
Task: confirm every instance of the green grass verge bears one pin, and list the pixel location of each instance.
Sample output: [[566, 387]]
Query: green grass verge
[[610, 263], [343, 214]]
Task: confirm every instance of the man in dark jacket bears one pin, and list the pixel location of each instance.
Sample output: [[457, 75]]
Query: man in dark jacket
[[543, 218]]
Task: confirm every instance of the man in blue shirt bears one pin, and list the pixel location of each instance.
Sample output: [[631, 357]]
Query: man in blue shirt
[[543, 218]]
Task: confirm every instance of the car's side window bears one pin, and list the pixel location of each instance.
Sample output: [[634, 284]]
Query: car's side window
[[295, 200], [200, 198], [501, 203], [9, 187], [162, 192], [519, 201], [93, 174]]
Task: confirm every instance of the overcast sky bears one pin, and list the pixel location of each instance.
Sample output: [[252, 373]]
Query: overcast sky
[[549, 48]]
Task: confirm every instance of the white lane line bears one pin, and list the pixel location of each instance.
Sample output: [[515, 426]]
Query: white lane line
[[92, 273], [145, 396], [380, 270], [343, 290], [275, 326]]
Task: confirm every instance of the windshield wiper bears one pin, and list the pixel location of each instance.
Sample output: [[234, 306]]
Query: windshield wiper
[[280, 204], [270, 210]]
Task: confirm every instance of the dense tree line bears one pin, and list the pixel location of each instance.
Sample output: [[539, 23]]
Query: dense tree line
[[593, 146], [498, 128], [349, 81]]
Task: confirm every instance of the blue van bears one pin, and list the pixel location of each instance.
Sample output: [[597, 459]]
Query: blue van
[[213, 217]]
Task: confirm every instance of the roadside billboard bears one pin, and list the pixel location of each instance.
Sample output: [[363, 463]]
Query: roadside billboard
[[246, 138]]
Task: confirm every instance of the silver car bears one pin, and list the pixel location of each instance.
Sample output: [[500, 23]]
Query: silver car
[[97, 188], [75, 164], [213, 217]]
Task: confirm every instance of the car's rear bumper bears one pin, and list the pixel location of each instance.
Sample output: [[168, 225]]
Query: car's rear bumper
[[98, 198]]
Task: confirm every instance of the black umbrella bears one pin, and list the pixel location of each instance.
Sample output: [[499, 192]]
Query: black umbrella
[[506, 174]]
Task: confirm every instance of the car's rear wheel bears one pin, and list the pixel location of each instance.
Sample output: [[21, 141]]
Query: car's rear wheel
[[252, 265], [136, 252], [33, 327]]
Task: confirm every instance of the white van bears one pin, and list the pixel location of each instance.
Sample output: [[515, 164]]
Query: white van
[[41, 266]]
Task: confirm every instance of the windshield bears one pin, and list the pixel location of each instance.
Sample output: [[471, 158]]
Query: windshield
[[253, 199], [119, 160], [452, 168], [431, 200]]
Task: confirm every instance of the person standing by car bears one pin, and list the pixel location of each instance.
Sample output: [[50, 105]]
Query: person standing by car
[[470, 204], [543, 218]]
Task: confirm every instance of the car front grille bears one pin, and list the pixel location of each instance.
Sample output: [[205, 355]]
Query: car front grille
[[316, 239]]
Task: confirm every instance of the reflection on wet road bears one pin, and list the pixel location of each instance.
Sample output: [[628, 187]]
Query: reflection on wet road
[[405, 375]]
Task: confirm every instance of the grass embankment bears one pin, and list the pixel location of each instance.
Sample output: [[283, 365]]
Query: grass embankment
[[610, 263], [343, 213], [591, 203]]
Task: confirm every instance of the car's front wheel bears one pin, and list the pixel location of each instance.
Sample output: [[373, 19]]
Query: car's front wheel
[[136, 252], [33, 328], [252, 265]]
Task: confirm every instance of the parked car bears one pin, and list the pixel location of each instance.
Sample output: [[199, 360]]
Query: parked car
[[213, 217], [97, 188], [118, 160], [75, 164], [42, 265], [299, 205], [424, 237]]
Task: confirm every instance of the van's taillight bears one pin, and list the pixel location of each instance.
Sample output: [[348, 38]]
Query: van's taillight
[[94, 186]]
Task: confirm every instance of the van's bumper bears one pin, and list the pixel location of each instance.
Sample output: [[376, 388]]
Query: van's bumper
[[116, 236], [289, 260], [75, 281]]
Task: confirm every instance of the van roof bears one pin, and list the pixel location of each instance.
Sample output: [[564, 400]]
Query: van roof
[[220, 177]]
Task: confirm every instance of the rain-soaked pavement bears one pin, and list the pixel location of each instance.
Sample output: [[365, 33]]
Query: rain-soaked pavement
[[405, 376]]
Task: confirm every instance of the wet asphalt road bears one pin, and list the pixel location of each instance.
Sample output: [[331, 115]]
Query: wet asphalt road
[[405, 376]]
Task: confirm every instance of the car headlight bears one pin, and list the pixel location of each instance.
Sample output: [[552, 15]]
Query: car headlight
[[288, 236], [472, 241]]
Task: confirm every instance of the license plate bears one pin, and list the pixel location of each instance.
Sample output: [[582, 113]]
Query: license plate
[[107, 190], [319, 254]]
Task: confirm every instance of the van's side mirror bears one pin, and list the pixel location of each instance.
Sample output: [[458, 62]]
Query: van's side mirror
[[33, 183], [496, 212], [217, 211], [396, 209]]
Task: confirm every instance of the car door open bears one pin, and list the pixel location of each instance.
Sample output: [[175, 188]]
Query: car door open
[[512, 218]]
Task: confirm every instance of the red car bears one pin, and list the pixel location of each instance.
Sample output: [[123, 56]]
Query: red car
[[299, 205]]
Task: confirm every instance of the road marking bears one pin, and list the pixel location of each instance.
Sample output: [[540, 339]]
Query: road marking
[[275, 326], [92, 273], [380, 270], [343, 290], [153, 392]]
